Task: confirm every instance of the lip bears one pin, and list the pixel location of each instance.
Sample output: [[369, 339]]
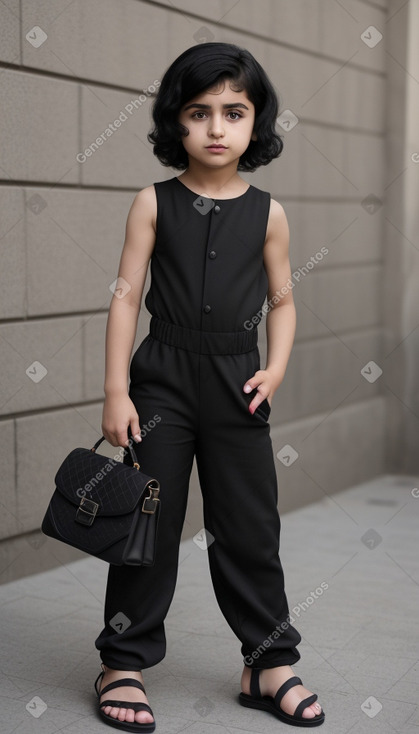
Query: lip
[[216, 149]]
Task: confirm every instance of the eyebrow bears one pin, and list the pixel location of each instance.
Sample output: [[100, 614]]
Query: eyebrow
[[208, 106]]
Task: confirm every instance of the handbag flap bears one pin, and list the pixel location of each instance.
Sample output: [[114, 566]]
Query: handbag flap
[[115, 487], [104, 533]]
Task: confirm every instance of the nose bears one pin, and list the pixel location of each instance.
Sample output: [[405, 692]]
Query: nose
[[216, 128]]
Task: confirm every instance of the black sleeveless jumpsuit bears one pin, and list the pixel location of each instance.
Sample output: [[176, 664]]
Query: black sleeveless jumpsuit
[[186, 382]]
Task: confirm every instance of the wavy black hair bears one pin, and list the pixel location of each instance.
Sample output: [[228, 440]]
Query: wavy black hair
[[198, 69]]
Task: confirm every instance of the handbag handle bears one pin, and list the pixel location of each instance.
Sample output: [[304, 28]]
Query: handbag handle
[[131, 450]]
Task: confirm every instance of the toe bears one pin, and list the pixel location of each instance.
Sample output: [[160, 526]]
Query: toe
[[143, 717], [122, 714], [311, 711], [130, 716]]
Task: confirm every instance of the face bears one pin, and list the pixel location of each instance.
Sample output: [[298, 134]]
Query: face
[[218, 116]]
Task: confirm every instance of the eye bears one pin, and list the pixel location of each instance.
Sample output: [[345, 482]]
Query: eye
[[201, 112]]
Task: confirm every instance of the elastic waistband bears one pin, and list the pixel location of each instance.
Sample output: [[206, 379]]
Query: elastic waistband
[[203, 342]]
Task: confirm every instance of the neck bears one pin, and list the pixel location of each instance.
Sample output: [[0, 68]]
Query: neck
[[212, 181]]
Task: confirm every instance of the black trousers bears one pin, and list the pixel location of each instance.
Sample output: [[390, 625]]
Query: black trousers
[[192, 403]]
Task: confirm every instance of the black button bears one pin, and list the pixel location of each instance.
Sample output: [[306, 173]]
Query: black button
[[217, 209], [207, 309], [212, 254]]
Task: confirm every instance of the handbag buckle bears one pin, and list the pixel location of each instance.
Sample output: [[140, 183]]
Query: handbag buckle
[[150, 502], [86, 511]]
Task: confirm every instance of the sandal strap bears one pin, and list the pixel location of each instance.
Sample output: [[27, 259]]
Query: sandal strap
[[290, 683], [123, 682], [100, 677], [303, 704], [254, 683], [135, 705]]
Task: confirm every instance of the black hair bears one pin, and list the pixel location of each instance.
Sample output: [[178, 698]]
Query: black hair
[[197, 69]]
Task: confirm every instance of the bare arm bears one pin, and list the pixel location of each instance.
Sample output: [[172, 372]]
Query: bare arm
[[121, 326], [281, 316]]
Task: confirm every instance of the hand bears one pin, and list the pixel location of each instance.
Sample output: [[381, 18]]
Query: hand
[[118, 413], [265, 384]]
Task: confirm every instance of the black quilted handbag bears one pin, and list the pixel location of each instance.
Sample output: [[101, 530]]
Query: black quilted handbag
[[105, 508]]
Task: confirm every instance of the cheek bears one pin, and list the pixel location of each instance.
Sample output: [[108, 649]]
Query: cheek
[[187, 142], [192, 139]]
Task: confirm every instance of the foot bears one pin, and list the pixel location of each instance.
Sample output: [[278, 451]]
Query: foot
[[124, 693], [270, 679]]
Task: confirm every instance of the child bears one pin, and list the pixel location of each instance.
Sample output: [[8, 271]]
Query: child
[[217, 247]]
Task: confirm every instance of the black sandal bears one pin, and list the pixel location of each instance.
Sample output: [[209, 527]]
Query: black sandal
[[268, 703], [135, 705]]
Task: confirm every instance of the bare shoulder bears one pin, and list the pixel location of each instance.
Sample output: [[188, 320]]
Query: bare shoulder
[[145, 205], [277, 229]]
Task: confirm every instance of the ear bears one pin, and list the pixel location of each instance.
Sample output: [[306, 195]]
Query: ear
[[254, 136]]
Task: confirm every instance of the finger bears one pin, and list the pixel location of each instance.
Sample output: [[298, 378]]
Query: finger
[[135, 429], [122, 437], [257, 400], [255, 381], [250, 384], [110, 438]]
